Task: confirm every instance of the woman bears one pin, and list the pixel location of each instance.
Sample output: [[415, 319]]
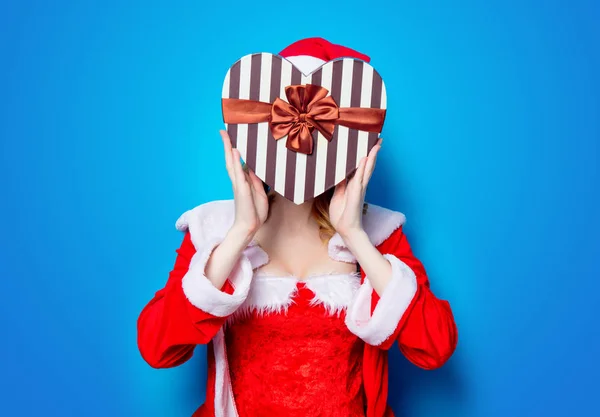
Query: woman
[[298, 304]]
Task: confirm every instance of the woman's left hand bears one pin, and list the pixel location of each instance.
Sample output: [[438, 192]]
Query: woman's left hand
[[346, 207]]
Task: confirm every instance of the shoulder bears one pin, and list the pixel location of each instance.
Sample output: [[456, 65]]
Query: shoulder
[[380, 222], [207, 220], [213, 219]]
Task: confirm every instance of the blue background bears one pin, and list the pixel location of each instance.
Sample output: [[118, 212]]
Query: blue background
[[109, 113]]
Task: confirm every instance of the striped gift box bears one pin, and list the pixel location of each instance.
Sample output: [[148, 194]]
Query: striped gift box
[[297, 176]]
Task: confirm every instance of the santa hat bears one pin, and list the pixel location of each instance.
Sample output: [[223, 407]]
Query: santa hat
[[310, 53]]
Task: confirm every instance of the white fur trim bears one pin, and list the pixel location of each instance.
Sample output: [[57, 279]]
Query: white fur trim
[[256, 255], [208, 224], [211, 221], [224, 401], [275, 294], [204, 295], [333, 291], [379, 223], [269, 295], [208, 220], [397, 296], [214, 219], [306, 63]]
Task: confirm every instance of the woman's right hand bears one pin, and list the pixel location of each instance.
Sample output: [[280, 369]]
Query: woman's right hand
[[251, 201]]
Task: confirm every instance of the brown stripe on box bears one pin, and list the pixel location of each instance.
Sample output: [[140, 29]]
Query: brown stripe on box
[[336, 92], [294, 164], [271, 142], [357, 87], [311, 160], [376, 104], [316, 77], [311, 167], [234, 92], [254, 95], [290, 167]]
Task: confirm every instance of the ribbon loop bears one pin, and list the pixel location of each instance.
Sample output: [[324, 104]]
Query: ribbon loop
[[308, 108]]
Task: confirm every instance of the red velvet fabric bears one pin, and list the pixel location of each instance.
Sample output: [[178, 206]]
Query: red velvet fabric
[[169, 327], [303, 363]]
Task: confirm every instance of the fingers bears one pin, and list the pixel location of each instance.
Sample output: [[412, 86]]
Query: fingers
[[228, 155], [355, 188], [257, 184], [370, 165], [350, 190], [340, 189], [360, 172], [241, 185]]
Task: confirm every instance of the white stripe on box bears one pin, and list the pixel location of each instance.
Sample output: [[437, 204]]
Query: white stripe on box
[[367, 86], [280, 165], [322, 142], [263, 128], [300, 181], [365, 101], [242, 132], [383, 97], [342, 145]]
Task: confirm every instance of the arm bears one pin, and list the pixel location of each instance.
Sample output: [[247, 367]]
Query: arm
[[189, 310], [406, 311], [208, 282], [402, 306], [373, 263]]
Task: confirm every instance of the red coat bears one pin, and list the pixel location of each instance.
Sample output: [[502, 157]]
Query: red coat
[[189, 310]]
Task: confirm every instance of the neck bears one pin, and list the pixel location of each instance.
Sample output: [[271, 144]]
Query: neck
[[287, 217]]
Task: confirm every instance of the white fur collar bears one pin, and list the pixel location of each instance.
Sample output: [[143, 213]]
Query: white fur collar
[[213, 219], [271, 294]]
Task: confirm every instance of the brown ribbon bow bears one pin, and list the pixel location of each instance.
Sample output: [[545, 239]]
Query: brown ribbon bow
[[308, 108]]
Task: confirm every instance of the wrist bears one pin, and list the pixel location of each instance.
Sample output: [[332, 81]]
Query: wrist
[[354, 236], [241, 234]]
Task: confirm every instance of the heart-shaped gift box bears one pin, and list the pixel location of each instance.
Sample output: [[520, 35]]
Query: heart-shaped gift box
[[302, 134]]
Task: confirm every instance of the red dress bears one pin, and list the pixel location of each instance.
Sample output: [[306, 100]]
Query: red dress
[[309, 361], [301, 361]]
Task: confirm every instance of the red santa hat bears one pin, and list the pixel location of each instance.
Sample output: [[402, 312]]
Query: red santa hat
[[310, 53]]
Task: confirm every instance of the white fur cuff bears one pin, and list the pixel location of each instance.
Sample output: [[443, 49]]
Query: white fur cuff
[[204, 295], [375, 329]]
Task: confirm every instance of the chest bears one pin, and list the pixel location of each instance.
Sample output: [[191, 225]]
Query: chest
[[301, 257]]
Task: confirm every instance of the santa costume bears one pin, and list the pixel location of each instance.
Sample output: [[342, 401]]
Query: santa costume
[[281, 346]]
